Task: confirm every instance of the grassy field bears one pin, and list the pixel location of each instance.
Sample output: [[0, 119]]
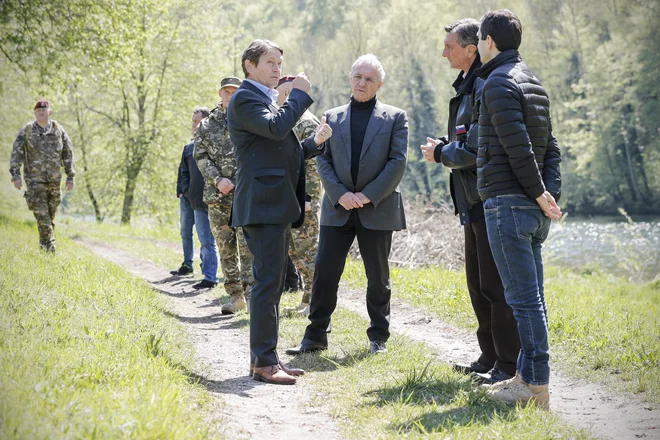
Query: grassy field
[[85, 349], [602, 327], [403, 393], [400, 394]]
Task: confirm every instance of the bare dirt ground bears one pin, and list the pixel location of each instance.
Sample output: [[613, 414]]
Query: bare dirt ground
[[242, 407], [249, 409], [586, 405]]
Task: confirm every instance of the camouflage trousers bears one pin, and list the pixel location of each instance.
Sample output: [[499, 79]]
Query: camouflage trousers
[[235, 257], [43, 199], [303, 247]]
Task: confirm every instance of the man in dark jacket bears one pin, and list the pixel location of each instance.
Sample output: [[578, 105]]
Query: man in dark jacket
[[269, 196], [193, 211], [518, 178], [498, 331]]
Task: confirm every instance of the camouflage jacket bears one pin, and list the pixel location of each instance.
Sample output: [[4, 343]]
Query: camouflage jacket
[[43, 154], [305, 127], [215, 155]]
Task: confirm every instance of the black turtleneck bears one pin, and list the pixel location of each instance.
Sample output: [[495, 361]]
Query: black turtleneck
[[360, 114]]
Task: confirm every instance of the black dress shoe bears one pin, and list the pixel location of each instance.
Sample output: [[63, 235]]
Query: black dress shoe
[[307, 346], [377, 347], [205, 284], [493, 376], [182, 271], [474, 367]]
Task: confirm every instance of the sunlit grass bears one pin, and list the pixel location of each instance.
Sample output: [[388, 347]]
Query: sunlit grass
[[601, 327], [405, 392], [86, 350]]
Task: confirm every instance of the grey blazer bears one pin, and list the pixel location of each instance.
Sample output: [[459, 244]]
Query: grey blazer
[[382, 164]]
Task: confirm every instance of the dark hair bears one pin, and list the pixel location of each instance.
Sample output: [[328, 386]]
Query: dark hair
[[255, 50], [205, 111], [503, 27], [466, 30]]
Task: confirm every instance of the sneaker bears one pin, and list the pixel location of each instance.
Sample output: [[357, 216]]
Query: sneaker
[[205, 284], [377, 347], [182, 271], [474, 367], [493, 376], [515, 390]]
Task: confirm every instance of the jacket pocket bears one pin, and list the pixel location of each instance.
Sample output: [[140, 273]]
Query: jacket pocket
[[269, 176]]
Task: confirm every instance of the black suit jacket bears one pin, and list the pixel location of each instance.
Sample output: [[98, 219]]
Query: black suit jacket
[[270, 181]]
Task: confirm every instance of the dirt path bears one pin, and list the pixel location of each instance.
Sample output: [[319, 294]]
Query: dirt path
[[586, 405], [247, 408], [242, 408]]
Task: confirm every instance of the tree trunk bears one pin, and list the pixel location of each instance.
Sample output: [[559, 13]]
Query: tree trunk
[[129, 192]]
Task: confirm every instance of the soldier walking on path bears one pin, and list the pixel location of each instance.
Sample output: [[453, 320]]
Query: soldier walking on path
[[43, 147], [305, 240], [215, 157]]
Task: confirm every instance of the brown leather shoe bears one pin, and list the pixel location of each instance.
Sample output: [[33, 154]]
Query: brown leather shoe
[[290, 371], [273, 374]]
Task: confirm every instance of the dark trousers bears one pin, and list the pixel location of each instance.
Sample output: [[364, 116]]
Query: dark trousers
[[334, 244], [269, 246], [498, 330]]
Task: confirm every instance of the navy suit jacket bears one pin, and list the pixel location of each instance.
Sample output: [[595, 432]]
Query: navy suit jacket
[[270, 180]]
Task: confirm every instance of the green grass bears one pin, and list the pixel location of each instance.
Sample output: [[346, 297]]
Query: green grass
[[601, 327], [405, 392], [86, 350]]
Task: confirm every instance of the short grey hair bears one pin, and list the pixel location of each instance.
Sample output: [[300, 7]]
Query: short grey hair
[[373, 61], [466, 30], [205, 111]]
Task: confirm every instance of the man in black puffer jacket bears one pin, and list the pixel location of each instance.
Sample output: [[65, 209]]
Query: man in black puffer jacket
[[519, 180], [497, 332]]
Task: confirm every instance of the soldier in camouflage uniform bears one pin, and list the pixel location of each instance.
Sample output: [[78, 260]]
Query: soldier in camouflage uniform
[[215, 157], [42, 147], [305, 240]]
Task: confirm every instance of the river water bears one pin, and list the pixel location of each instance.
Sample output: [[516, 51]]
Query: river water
[[611, 244]]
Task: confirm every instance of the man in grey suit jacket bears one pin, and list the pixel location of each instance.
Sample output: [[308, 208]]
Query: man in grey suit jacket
[[270, 191], [361, 168]]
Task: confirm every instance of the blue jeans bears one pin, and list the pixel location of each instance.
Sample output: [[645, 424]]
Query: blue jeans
[[209, 251], [516, 230]]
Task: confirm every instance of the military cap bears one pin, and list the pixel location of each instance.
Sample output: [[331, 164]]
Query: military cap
[[41, 103], [230, 81]]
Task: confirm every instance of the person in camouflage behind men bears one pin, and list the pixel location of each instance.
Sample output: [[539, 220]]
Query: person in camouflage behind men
[[42, 147], [215, 157], [305, 240]]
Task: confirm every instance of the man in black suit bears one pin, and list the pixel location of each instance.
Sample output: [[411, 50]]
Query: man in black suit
[[361, 168], [270, 191]]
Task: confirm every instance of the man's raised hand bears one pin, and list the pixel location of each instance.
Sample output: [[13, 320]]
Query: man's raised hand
[[301, 82], [323, 132]]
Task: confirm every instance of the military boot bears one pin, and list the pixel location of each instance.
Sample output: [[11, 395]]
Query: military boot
[[235, 304]]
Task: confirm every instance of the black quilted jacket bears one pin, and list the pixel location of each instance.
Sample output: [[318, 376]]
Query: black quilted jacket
[[517, 152]]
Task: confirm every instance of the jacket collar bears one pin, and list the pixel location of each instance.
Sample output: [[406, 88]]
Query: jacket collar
[[463, 84], [511, 56]]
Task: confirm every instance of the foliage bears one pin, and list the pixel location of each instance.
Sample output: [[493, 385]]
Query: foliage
[[125, 75]]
